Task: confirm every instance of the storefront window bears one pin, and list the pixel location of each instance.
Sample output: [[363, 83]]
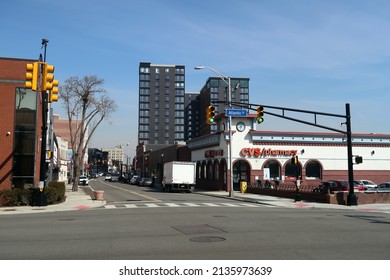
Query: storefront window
[[313, 170], [292, 170], [274, 169], [216, 170], [210, 170]]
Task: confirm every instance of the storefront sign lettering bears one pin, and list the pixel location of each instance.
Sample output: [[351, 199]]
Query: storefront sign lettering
[[258, 152], [213, 153]]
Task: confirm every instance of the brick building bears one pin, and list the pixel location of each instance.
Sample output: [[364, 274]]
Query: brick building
[[20, 127]]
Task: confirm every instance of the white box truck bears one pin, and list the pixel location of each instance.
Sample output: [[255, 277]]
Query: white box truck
[[179, 175]]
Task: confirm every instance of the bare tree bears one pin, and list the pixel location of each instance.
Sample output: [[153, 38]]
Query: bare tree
[[86, 101]]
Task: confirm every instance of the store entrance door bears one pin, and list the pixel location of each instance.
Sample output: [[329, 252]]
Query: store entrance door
[[241, 172]]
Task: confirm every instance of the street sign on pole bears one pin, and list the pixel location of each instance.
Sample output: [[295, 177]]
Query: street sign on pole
[[236, 113]]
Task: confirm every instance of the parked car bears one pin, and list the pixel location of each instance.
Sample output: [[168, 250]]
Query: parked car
[[146, 181], [332, 186], [108, 177], [133, 179], [83, 180], [367, 184], [383, 187]]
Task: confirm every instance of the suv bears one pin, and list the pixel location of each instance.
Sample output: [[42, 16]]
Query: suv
[[83, 180]]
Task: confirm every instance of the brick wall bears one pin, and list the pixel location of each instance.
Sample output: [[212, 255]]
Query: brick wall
[[12, 75]]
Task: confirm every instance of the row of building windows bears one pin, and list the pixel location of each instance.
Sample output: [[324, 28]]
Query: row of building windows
[[158, 70], [146, 84], [179, 136], [210, 169]]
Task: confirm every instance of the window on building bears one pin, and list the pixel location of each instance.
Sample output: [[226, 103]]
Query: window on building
[[144, 70], [24, 141], [313, 170], [291, 171], [274, 169], [216, 170]]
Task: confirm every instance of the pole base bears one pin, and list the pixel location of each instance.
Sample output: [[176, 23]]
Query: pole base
[[351, 200], [298, 197]]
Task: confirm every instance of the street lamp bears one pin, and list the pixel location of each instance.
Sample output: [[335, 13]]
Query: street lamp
[[230, 143]]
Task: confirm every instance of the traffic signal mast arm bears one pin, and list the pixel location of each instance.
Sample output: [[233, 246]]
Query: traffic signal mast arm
[[283, 116]]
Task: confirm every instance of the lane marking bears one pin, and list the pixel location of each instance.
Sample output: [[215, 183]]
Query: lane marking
[[152, 205], [172, 204], [211, 204], [149, 198]]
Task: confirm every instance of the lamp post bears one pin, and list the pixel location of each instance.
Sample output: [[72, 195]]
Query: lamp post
[[230, 143]]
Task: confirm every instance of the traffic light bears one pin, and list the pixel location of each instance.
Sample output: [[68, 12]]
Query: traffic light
[[53, 93], [48, 82], [260, 114], [210, 114], [47, 76], [32, 75], [358, 159], [294, 160]]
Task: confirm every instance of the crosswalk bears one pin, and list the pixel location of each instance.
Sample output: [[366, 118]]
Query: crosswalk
[[179, 204]]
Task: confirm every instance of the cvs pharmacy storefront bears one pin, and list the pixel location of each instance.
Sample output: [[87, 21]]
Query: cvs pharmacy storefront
[[259, 157]]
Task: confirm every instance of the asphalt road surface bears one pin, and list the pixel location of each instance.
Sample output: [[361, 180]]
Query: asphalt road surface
[[145, 224]]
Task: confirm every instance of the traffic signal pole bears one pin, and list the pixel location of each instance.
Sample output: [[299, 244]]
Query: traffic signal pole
[[351, 198]]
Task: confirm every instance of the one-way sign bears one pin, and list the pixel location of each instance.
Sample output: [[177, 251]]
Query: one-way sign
[[236, 113]]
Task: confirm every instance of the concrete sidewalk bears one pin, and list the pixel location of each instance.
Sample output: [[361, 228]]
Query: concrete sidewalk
[[80, 200], [291, 203]]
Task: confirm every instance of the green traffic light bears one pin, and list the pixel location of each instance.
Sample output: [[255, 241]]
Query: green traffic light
[[260, 120]]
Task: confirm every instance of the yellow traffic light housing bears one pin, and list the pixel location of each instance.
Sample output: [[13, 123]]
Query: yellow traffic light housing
[[260, 114], [47, 76], [210, 114], [294, 160], [48, 82], [53, 93], [32, 75]]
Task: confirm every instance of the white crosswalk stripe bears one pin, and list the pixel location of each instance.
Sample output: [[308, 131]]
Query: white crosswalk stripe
[[181, 204]]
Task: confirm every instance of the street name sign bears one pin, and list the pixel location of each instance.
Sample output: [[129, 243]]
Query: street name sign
[[236, 113]]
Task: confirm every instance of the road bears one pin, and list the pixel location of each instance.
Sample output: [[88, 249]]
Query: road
[[145, 224]]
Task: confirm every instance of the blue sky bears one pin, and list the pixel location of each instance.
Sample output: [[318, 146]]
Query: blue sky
[[311, 55]]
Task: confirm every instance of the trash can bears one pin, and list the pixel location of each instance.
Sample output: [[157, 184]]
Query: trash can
[[243, 186], [99, 195]]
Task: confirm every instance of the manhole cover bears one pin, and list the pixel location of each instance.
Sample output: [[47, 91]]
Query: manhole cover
[[66, 219], [207, 239]]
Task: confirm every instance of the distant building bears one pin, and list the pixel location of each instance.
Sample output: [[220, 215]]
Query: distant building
[[116, 158], [192, 115], [61, 129], [216, 90], [161, 103]]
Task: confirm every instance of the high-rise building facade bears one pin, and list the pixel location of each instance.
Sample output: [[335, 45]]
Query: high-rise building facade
[[215, 92], [161, 106], [191, 115]]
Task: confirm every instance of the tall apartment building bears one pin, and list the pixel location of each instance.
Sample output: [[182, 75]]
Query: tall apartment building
[[192, 105], [161, 106], [216, 89]]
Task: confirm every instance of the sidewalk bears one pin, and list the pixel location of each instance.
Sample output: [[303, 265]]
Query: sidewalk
[[80, 200], [290, 203]]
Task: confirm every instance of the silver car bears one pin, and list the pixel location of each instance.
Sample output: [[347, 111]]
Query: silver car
[[381, 188], [367, 184]]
